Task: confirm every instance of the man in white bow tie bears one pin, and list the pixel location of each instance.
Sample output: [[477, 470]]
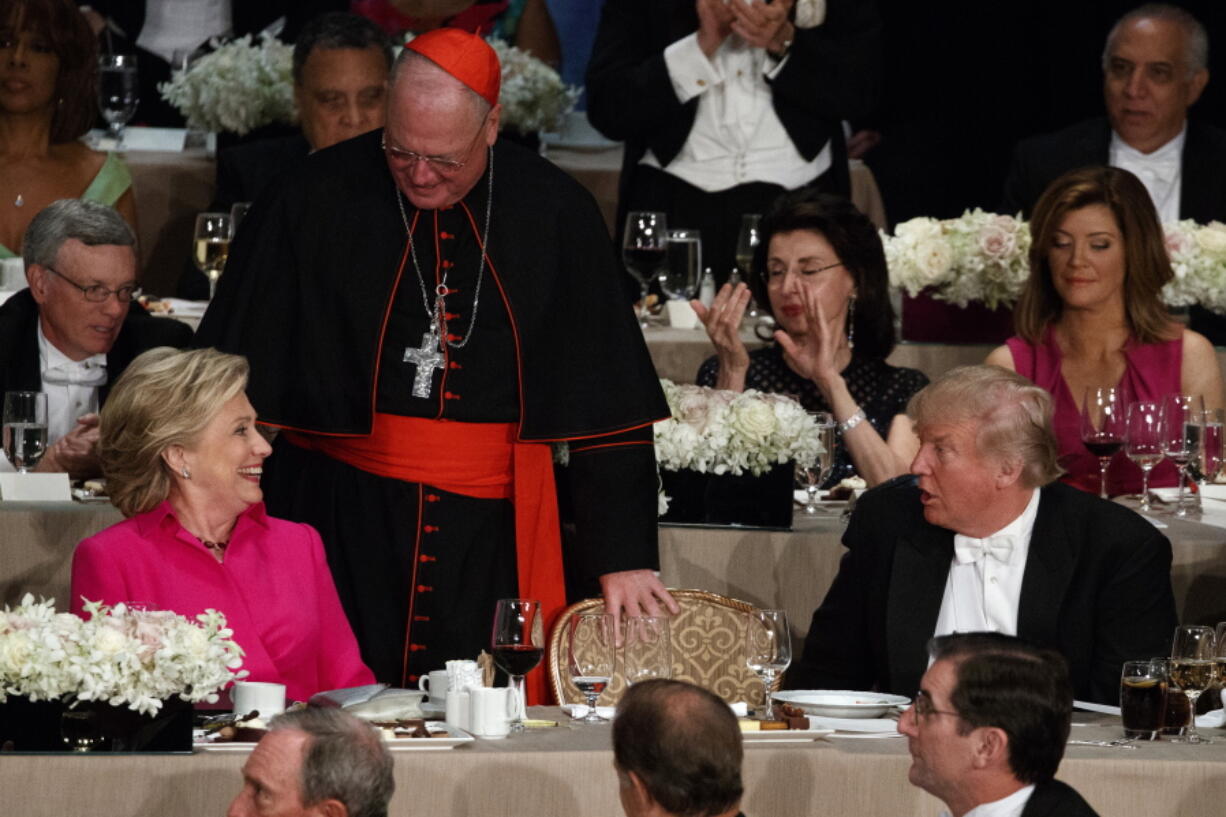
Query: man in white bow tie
[[985, 539], [72, 331]]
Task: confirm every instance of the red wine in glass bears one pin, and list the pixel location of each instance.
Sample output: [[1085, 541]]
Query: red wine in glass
[[517, 641], [1102, 427], [517, 659], [1104, 447]]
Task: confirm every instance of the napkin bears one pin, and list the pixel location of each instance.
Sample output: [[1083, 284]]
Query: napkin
[[880, 727], [581, 710]]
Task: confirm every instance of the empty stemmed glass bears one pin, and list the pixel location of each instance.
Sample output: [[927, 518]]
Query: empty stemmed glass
[[1181, 425], [768, 649], [1143, 443], [517, 642], [812, 475], [591, 658], [1193, 669], [644, 251], [1102, 428], [647, 650]]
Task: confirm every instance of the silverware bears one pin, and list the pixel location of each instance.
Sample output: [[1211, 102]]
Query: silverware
[[1119, 743]]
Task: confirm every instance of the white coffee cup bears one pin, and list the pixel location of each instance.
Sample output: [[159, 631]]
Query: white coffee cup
[[492, 710], [435, 684], [459, 709], [12, 274], [680, 314], [258, 696]]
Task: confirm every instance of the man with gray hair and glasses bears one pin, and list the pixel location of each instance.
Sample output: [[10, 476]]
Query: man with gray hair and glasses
[[982, 537], [72, 331], [988, 728], [319, 762]]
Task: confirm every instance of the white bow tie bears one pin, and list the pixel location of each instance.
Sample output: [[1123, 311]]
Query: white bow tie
[[1164, 170], [86, 373], [968, 550]]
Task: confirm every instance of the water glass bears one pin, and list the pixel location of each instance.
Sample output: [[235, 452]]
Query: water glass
[[768, 649], [648, 651], [25, 428], [1143, 442], [118, 92], [1182, 423], [591, 658]]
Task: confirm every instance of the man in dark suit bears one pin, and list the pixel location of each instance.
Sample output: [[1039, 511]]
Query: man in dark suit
[[978, 545], [341, 63], [723, 106], [73, 331], [989, 726], [1155, 67]]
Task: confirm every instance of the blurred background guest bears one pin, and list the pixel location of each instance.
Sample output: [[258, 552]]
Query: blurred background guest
[[48, 64], [1092, 315], [341, 63], [183, 459], [73, 331], [723, 106], [525, 24], [820, 271]]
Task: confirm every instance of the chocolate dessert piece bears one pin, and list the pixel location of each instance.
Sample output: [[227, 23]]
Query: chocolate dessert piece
[[795, 717]]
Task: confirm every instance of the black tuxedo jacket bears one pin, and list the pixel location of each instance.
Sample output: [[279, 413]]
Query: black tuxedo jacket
[[1056, 799], [248, 16], [833, 73], [1097, 588], [1038, 161], [19, 364]]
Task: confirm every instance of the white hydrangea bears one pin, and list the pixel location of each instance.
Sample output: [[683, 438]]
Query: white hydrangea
[[533, 96], [724, 432], [238, 87], [133, 658], [1198, 258]]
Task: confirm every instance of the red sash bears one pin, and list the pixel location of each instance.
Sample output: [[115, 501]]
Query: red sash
[[482, 460]]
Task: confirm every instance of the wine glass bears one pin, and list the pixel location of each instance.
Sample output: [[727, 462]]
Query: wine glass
[[648, 650], [25, 428], [1193, 669], [118, 92], [1102, 427], [517, 642], [679, 277], [1181, 425], [812, 475], [212, 237], [591, 658], [768, 649], [644, 251], [1211, 443], [1143, 442], [746, 244]]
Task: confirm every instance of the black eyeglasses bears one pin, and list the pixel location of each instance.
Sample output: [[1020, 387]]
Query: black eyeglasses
[[924, 709], [98, 293]]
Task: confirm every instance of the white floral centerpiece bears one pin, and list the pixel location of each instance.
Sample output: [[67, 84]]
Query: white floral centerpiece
[[239, 86], [1198, 258], [118, 656], [977, 257], [726, 432]]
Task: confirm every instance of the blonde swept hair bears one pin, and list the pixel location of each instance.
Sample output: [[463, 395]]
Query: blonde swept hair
[[1147, 266], [165, 397], [1013, 416]]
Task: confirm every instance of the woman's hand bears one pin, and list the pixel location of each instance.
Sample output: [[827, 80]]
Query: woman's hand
[[815, 354], [722, 320]]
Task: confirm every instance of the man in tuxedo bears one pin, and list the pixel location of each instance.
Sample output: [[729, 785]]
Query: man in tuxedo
[[988, 728], [988, 541], [316, 762], [725, 105], [341, 63], [677, 750], [1155, 66], [73, 331]]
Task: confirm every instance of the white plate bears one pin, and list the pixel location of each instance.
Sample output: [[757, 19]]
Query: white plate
[[455, 737], [786, 735], [842, 703]]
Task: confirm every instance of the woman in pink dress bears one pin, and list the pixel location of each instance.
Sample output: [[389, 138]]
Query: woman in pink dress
[[183, 458], [1091, 315]]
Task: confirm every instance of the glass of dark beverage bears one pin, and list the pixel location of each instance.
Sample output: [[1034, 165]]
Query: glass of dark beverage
[[1175, 712], [1193, 669], [1102, 427], [591, 658], [645, 251], [518, 642], [1142, 700]]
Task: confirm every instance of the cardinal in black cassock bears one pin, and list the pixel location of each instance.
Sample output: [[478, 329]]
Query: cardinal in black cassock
[[419, 381]]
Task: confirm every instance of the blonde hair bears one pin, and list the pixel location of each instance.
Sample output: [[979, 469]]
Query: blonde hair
[[1013, 417], [165, 397]]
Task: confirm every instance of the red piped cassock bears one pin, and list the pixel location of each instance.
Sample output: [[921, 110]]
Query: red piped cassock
[[424, 531]]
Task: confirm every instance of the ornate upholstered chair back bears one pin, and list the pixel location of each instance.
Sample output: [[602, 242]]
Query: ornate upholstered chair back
[[708, 649]]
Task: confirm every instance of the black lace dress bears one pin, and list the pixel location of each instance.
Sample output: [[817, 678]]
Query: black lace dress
[[880, 389]]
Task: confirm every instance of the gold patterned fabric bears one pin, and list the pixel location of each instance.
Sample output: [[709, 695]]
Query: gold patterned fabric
[[708, 649]]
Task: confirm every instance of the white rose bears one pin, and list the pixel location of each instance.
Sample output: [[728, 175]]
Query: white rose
[[918, 230], [755, 419], [109, 641], [14, 653], [692, 410], [996, 243], [1212, 238], [933, 259]]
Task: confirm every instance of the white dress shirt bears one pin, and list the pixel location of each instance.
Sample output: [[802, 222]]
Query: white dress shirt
[[1010, 806], [737, 137], [984, 587], [71, 386], [1161, 171], [182, 25]]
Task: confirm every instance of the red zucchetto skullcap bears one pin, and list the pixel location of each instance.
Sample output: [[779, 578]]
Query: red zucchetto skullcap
[[465, 56]]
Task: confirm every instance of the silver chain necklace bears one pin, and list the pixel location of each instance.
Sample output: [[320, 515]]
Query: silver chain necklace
[[437, 314]]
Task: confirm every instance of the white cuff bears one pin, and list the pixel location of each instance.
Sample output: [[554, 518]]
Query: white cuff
[[689, 69]]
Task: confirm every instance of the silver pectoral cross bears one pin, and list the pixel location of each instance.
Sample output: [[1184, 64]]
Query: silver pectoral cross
[[427, 358]]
